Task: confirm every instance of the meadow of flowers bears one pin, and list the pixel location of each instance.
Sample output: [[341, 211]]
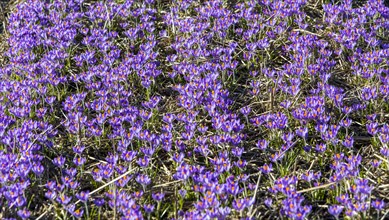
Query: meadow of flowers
[[195, 109]]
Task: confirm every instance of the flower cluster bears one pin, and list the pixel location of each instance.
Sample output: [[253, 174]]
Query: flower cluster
[[191, 109]]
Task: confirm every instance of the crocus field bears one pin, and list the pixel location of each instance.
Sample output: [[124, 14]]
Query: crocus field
[[194, 109]]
